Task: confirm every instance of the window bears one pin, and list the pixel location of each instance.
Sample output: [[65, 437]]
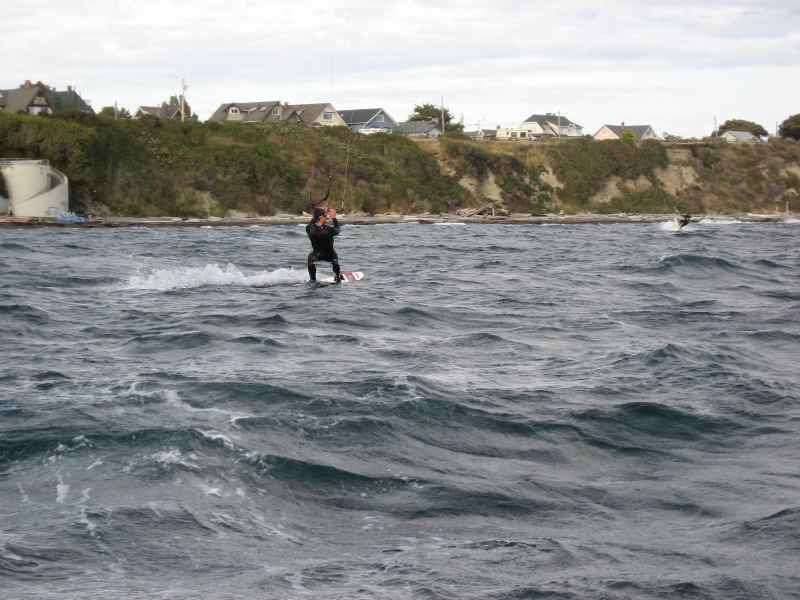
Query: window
[[276, 110], [379, 119], [233, 110], [327, 116]]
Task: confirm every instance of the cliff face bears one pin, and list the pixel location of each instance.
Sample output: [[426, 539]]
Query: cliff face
[[616, 176], [163, 168]]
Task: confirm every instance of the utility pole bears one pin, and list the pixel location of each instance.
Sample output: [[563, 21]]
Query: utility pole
[[715, 126], [442, 100], [116, 110], [183, 100]]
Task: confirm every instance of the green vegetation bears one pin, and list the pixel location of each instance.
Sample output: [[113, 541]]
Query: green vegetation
[[153, 167], [515, 169], [790, 128], [121, 113], [585, 166], [583, 175], [742, 125], [431, 112]]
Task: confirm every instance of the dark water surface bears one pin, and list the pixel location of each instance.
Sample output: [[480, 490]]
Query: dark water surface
[[494, 412]]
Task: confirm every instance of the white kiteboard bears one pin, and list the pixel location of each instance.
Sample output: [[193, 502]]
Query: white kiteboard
[[346, 276]]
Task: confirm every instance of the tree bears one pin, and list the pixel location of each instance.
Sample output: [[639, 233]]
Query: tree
[[790, 128], [628, 136], [176, 101], [431, 112], [742, 125], [121, 113]]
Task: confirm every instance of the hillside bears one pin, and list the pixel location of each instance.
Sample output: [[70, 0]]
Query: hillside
[[615, 176], [159, 168]]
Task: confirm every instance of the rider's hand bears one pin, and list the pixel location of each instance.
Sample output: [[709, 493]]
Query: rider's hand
[[332, 213]]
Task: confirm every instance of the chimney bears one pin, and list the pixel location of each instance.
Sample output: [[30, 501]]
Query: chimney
[[622, 125], [27, 85], [285, 106], [69, 88]]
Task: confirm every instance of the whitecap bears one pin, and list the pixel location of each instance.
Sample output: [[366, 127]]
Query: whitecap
[[670, 225], [210, 275], [62, 491], [167, 458], [719, 221]]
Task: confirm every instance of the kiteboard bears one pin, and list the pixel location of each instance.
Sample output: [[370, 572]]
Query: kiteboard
[[346, 276]]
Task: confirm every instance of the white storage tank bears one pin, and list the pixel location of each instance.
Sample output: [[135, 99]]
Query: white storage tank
[[34, 188]]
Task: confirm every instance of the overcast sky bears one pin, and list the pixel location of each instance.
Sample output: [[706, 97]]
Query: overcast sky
[[672, 64]]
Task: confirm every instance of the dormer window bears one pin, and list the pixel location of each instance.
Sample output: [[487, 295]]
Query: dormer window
[[233, 110], [276, 111]]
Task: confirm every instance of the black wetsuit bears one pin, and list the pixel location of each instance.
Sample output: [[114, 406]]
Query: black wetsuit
[[322, 246], [684, 220]]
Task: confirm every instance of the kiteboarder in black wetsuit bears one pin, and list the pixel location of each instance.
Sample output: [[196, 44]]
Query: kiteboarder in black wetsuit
[[321, 235], [684, 220]]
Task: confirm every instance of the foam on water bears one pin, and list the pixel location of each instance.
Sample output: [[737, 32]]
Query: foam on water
[[211, 275], [668, 226], [719, 221]]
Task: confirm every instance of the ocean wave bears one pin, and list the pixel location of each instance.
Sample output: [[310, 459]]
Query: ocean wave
[[698, 261], [649, 422]]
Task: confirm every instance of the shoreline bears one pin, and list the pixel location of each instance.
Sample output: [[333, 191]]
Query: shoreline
[[390, 219]]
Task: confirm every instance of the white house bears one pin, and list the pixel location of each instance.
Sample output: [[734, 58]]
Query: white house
[[738, 137], [614, 132], [550, 125]]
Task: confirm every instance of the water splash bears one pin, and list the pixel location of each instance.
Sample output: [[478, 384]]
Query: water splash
[[211, 275]]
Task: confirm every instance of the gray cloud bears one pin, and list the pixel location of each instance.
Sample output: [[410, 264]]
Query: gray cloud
[[674, 64]]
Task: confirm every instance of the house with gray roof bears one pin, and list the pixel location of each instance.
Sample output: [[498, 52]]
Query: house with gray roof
[[482, 134], [161, 112], [549, 125], [372, 119], [266, 111], [271, 111], [738, 137], [30, 98], [419, 129], [313, 115], [614, 132]]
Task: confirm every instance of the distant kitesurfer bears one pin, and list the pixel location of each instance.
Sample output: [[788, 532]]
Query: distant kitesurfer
[[321, 235], [684, 220]]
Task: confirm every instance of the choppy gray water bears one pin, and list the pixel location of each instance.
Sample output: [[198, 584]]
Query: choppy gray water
[[494, 412]]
